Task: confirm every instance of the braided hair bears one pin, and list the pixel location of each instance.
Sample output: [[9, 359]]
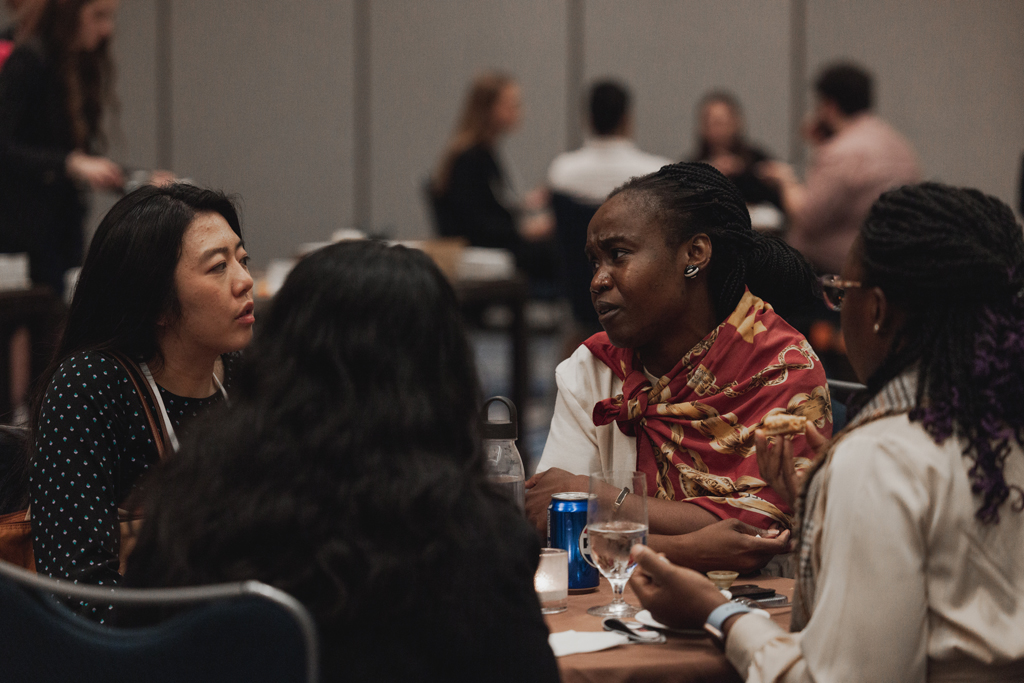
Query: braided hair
[[952, 260], [693, 198]]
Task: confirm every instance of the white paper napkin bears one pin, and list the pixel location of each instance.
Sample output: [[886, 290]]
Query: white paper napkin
[[574, 642]]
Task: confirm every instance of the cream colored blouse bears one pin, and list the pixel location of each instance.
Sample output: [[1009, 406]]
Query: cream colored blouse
[[911, 587]]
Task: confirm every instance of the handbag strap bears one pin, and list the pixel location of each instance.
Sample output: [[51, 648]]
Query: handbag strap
[[166, 422], [143, 390]]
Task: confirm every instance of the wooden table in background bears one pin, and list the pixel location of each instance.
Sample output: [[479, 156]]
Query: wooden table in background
[[681, 659], [512, 293]]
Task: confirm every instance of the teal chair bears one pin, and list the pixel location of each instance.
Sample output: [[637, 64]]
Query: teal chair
[[571, 220], [229, 633]]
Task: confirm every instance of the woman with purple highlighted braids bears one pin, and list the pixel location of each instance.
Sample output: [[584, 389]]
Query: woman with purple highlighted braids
[[911, 551]]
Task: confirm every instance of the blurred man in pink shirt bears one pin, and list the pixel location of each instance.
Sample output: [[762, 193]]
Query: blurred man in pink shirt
[[857, 157]]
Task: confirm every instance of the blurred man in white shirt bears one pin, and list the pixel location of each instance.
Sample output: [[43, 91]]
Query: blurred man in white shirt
[[609, 157]]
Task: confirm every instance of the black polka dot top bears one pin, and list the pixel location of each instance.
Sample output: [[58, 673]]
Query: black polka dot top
[[92, 445]]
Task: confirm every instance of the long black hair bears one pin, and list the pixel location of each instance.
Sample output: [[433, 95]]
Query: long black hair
[[127, 281], [351, 438], [952, 261], [693, 198]]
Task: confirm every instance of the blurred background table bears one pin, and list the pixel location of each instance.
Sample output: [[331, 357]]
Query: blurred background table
[[512, 292], [680, 659], [39, 310]]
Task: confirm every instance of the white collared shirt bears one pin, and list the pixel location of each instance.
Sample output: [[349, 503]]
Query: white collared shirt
[[591, 172]]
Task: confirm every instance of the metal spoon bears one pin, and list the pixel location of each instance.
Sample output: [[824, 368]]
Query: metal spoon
[[643, 636]]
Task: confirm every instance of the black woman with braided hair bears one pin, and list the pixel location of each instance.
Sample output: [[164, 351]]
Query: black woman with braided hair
[[911, 548], [695, 354]]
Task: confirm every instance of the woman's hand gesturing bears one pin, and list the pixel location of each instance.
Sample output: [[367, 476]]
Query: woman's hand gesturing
[[776, 462]]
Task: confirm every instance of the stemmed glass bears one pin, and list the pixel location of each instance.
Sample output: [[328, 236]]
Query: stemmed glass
[[616, 520]]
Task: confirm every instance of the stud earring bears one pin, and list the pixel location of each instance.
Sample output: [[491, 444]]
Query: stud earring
[[690, 271], [877, 327]]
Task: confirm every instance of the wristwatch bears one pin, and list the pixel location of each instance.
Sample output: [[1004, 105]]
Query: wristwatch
[[621, 497], [717, 619]]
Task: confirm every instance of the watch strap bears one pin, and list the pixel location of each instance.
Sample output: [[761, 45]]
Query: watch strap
[[718, 617], [621, 497]]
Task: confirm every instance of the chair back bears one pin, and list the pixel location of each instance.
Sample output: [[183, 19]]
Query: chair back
[[844, 390], [445, 224], [1020, 193], [571, 220], [842, 387], [13, 477], [246, 631]]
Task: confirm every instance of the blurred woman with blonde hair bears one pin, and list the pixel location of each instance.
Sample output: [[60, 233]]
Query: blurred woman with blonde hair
[[469, 189]]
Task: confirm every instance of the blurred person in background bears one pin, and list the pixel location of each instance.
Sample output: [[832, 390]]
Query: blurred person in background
[[857, 156], [470, 191], [349, 473], [16, 9], [55, 89], [608, 157], [581, 180], [721, 142], [911, 547]]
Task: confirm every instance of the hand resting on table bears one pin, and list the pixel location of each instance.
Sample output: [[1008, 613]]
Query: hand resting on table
[[727, 544]]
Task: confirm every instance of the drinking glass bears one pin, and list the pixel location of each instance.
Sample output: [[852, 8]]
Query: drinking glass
[[616, 521], [552, 580]]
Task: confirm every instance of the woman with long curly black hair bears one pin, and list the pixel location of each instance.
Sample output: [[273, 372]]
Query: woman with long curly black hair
[[911, 554], [348, 472]]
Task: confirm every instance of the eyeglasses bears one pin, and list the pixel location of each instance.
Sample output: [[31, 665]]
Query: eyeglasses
[[833, 290]]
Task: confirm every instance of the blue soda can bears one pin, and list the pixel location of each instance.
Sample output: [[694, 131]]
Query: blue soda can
[[567, 529]]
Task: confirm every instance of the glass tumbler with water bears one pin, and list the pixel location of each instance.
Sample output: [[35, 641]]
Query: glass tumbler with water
[[616, 521]]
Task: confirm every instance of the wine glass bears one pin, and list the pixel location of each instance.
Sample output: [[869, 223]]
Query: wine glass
[[616, 521]]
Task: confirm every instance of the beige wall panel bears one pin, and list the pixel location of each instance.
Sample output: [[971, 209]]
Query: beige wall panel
[[132, 130], [262, 107], [949, 76], [670, 52], [133, 142], [424, 55]]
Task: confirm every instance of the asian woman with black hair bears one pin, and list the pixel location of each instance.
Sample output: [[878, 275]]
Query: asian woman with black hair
[[164, 294], [349, 473], [911, 550]]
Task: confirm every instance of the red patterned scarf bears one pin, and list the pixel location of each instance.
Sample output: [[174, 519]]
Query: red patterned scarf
[[694, 427]]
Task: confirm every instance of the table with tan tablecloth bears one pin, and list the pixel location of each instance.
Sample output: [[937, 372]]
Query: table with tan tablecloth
[[681, 659]]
